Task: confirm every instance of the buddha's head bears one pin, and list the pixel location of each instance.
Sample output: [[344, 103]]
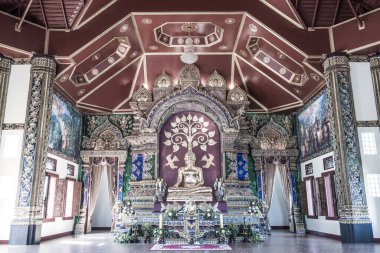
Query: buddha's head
[[190, 158]]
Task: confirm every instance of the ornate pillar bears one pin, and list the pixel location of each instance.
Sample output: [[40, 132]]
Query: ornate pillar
[[375, 70], [355, 224], [258, 160], [27, 221], [86, 174], [297, 220], [5, 71], [120, 179]]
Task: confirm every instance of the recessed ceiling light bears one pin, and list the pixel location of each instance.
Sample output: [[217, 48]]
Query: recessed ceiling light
[[229, 21], [81, 92], [224, 47], [153, 48], [180, 41], [147, 21], [266, 59], [95, 57], [94, 72], [297, 91], [243, 53], [314, 76], [212, 38], [64, 78], [281, 55], [282, 71], [197, 41], [111, 60], [123, 28], [134, 54], [253, 28], [122, 49]]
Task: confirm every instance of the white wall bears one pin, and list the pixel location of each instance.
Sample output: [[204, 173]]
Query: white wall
[[60, 226], [17, 94], [365, 109], [321, 224], [10, 155], [11, 145], [364, 98], [278, 213], [102, 216]]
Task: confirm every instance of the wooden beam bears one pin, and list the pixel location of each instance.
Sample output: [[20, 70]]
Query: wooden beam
[[336, 11], [43, 14], [18, 26], [315, 13], [295, 10], [360, 22], [64, 14]]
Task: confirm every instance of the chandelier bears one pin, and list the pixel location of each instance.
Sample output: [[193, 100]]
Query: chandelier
[[188, 56]]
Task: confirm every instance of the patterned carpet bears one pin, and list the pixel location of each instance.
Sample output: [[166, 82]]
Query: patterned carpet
[[184, 247]]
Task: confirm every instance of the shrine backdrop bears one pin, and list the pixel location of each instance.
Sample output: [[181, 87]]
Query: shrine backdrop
[[197, 131]]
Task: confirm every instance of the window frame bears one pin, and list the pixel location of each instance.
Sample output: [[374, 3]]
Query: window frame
[[64, 217], [48, 174], [333, 193], [314, 199]]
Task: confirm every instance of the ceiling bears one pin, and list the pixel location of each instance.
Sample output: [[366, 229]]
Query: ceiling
[[102, 75], [107, 49]]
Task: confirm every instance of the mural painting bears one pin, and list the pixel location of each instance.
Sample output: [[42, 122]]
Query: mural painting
[[65, 128], [314, 130]]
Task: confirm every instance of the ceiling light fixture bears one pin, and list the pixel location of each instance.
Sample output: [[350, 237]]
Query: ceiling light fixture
[[189, 57]]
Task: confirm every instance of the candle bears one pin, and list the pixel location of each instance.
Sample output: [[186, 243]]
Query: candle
[[160, 224], [221, 220]]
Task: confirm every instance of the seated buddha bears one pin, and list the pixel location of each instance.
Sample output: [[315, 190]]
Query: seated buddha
[[190, 183]]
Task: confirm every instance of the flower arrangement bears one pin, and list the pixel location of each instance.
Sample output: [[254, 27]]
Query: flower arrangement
[[160, 234], [222, 232], [257, 237], [258, 208], [209, 214], [124, 238], [172, 213], [128, 208]]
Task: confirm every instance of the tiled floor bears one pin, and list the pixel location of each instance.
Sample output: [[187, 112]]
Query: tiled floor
[[280, 241]]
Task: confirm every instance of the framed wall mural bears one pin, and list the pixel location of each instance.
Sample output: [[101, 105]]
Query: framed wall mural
[[70, 170], [314, 130], [328, 163], [51, 164], [65, 129], [309, 169]]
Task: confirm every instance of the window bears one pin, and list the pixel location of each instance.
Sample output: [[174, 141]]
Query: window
[[68, 214], [49, 196], [308, 198], [373, 185], [369, 143], [330, 195]]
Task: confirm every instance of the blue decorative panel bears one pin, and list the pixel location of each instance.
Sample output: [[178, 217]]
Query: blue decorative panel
[[65, 128], [137, 167], [242, 166], [259, 187]]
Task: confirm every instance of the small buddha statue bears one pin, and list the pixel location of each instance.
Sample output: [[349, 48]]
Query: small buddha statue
[[190, 183]]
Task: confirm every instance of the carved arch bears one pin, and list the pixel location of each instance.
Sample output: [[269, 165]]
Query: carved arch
[[272, 136], [213, 107], [105, 137]]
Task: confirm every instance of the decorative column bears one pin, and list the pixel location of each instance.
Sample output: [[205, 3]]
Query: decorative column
[[375, 70], [259, 168], [27, 221], [86, 179], [298, 223], [355, 224], [5, 72], [120, 179]]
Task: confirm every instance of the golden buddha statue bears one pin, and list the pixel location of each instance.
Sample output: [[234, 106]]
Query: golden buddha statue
[[190, 183]]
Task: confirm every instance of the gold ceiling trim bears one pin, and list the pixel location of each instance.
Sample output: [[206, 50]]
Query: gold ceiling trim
[[283, 14]]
